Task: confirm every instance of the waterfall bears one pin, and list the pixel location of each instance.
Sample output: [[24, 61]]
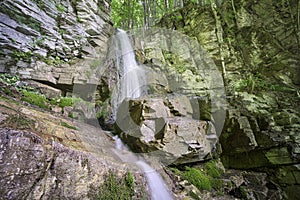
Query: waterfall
[[130, 76], [131, 84], [158, 188]]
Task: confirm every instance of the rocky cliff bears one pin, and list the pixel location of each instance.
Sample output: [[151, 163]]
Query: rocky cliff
[[46, 40], [253, 45], [44, 156], [256, 46]]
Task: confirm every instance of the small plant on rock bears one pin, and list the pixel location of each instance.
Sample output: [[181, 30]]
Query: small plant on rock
[[114, 188]]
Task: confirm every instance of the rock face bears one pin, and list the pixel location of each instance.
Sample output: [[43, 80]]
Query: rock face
[[43, 156], [255, 44], [37, 169], [42, 40], [165, 128]]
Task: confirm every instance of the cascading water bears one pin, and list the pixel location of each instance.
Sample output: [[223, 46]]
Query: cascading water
[[131, 77], [131, 83], [156, 184]]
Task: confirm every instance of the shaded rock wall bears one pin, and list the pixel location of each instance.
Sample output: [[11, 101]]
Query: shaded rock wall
[[246, 36], [45, 40], [256, 46]]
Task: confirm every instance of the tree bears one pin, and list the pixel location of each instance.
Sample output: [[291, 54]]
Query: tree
[[128, 14]]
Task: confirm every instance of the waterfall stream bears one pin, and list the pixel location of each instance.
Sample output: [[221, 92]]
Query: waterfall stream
[[130, 76], [131, 82], [158, 188]]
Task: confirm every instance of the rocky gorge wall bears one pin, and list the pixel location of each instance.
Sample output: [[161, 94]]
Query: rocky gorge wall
[[256, 46], [46, 40]]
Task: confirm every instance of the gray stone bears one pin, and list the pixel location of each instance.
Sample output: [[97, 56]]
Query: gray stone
[[165, 126], [48, 91], [62, 38]]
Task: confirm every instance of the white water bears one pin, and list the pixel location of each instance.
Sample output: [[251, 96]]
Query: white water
[[156, 184], [131, 77], [131, 84]]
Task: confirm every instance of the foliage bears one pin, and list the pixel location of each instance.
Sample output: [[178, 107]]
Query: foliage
[[115, 188], [35, 99], [25, 56], [54, 61], [18, 17], [254, 83], [67, 125], [9, 79], [103, 113], [128, 14], [38, 41]]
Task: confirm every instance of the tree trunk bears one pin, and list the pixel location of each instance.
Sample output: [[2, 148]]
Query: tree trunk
[[167, 5]]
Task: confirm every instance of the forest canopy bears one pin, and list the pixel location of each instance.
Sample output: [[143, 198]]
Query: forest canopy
[[129, 14]]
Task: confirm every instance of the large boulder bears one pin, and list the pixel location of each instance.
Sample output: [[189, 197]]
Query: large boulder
[[165, 127]]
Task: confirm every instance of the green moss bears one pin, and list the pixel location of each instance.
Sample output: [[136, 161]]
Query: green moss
[[68, 125], [176, 171], [217, 184], [212, 170], [60, 8], [206, 177], [62, 101], [197, 178], [114, 188]]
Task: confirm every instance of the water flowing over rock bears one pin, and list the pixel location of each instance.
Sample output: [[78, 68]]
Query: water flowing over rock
[[130, 76], [158, 188], [165, 125]]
